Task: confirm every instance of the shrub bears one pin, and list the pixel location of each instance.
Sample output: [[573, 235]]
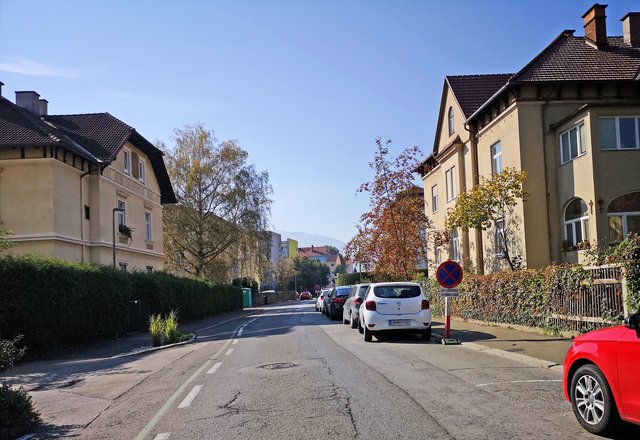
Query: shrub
[[9, 353], [16, 412], [156, 329], [171, 333]]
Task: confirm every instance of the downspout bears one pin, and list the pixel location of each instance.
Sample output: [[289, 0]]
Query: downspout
[[473, 143], [543, 110], [84, 245]]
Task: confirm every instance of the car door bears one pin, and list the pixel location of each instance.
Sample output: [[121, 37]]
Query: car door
[[629, 373]]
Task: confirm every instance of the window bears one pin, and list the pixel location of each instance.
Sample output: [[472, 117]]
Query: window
[[498, 238], [147, 224], [496, 158], [141, 174], [149, 269], [127, 162], [450, 180], [455, 246], [434, 198], [624, 216], [619, 133], [576, 218], [451, 121], [438, 255], [572, 143], [123, 266], [87, 213], [122, 215]]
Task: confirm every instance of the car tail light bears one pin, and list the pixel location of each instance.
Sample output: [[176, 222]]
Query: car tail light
[[370, 305], [339, 300], [425, 304], [357, 301]]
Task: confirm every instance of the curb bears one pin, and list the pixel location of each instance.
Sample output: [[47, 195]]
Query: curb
[[143, 350], [529, 360]]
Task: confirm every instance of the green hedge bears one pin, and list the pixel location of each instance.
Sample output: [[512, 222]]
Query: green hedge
[[56, 304], [348, 279]]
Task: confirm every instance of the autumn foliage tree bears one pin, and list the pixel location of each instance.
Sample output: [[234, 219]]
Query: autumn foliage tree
[[391, 237], [492, 199]]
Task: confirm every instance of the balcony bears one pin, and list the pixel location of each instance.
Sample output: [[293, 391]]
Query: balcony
[[131, 184]]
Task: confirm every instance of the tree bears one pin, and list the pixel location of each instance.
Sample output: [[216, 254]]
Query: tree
[[284, 272], [391, 236], [5, 243], [222, 202], [492, 199], [310, 272]]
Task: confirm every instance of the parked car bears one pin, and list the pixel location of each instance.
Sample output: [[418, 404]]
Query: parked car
[[351, 309], [394, 306], [304, 295], [335, 301], [601, 377], [320, 300]]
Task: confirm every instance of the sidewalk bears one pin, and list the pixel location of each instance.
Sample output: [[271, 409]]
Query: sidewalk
[[543, 350]]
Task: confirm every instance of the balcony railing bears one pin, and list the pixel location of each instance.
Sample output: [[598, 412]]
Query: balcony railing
[[131, 184]]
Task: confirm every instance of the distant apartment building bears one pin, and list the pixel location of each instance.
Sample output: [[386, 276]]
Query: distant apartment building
[[275, 253], [322, 254], [571, 119], [289, 248], [69, 184]]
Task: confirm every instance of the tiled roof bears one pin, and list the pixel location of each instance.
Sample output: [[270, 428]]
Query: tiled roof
[[570, 58], [18, 127], [472, 91], [100, 133]]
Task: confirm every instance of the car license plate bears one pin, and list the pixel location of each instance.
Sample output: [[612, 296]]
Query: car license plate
[[398, 322]]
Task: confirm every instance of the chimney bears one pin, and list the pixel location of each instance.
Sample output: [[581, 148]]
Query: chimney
[[595, 25], [28, 101], [43, 107], [631, 29], [1, 84]]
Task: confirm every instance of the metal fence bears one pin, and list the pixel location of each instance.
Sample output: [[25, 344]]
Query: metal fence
[[600, 301]]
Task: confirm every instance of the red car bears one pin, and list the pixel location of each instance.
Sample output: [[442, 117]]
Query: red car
[[602, 376], [304, 295]]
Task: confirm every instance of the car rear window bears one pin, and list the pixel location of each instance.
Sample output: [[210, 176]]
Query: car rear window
[[362, 290], [396, 291], [343, 291]]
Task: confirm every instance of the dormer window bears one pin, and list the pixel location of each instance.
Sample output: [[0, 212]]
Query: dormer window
[[127, 162], [451, 129]]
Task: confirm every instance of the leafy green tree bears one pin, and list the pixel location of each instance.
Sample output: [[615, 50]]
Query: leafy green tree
[[223, 204], [309, 273], [284, 272], [492, 199]]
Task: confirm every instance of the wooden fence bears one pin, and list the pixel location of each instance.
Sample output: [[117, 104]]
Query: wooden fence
[[599, 303]]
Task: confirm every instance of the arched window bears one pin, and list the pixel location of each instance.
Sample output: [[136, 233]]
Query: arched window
[[576, 220], [451, 129], [624, 216]]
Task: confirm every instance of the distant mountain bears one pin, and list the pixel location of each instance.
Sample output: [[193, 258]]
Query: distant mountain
[[304, 239]]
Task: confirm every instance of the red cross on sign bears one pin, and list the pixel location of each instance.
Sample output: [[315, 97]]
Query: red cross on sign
[[449, 274]]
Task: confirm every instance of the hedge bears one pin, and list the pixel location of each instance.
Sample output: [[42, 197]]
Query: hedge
[[57, 304]]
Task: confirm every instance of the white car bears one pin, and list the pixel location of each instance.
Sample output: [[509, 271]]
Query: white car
[[394, 306], [320, 300]]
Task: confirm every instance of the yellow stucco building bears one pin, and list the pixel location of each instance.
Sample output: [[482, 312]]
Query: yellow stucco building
[[66, 180], [571, 119]]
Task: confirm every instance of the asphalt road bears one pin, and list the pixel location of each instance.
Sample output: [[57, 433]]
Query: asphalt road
[[287, 372]]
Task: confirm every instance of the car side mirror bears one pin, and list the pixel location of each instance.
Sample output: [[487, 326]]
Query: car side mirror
[[633, 322]]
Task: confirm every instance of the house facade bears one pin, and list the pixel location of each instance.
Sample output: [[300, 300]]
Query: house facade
[[570, 118], [72, 185]]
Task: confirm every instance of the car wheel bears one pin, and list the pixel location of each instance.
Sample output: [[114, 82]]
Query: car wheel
[[592, 401], [344, 321], [360, 329], [353, 323], [368, 335], [426, 334]]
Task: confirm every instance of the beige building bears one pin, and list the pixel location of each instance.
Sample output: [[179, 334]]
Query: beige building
[[66, 180], [571, 119]]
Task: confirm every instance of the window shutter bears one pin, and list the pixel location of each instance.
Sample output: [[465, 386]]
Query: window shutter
[[135, 170]]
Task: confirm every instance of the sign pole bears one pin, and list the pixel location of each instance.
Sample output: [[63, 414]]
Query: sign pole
[[447, 318]]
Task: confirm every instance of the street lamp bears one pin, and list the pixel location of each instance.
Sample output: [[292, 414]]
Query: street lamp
[[113, 230]]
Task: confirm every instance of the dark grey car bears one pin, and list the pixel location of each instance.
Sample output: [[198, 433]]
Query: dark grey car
[[335, 301], [351, 309]]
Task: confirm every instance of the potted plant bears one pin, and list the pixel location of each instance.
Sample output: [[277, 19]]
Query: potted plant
[[125, 231]]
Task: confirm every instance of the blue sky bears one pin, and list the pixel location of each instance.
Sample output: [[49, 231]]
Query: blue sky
[[305, 87]]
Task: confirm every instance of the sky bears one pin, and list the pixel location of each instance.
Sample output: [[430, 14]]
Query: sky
[[305, 87]]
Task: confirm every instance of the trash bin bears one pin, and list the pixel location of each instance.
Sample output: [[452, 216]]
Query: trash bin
[[246, 297], [265, 299]]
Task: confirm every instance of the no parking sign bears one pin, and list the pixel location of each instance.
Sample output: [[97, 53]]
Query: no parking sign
[[449, 276]]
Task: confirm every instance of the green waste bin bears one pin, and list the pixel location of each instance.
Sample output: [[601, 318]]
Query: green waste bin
[[246, 297]]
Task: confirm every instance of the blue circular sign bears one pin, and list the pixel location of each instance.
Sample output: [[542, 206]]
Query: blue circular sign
[[449, 274]]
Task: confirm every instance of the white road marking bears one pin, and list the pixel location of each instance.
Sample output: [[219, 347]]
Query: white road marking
[[229, 352], [518, 381], [192, 395], [163, 436], [214, 368], [235, 341], [25, 437]]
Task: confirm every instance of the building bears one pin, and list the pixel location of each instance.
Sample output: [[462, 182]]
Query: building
[[323, 254], [274, 250], [569, 118], [72, 185], [289, 249]]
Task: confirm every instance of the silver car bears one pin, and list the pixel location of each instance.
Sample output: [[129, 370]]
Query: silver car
[[351, 310]]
